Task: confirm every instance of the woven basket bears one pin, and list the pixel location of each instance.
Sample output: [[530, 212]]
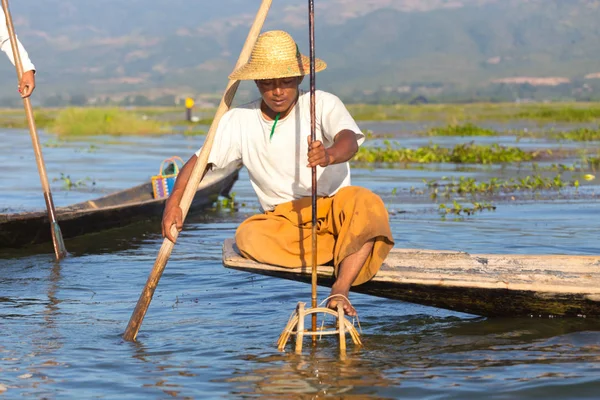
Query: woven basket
[[162, 184]]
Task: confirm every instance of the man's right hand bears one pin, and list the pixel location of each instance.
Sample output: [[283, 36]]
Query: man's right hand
[[172, 216], [27, 84]]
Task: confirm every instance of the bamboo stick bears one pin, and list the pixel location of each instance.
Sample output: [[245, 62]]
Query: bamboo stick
[[57, 240], [341, 328], [195, 178], [313, 137], [300, 328]]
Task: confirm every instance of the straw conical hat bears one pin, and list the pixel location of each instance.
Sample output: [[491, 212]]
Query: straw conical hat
[[276, 55]]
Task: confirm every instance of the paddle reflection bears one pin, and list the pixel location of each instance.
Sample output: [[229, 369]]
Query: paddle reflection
[[163, 376], [45, 339]]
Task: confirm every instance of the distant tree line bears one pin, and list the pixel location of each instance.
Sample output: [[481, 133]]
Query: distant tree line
[[584, 90], [576, 90]]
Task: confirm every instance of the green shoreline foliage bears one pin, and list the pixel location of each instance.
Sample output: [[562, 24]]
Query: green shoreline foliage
[[102, 121], [459, 119], [456, 113]]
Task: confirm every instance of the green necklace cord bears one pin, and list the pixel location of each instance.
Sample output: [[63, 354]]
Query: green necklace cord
[[273, 127]]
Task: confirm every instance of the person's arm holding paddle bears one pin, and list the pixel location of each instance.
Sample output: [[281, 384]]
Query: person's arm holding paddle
[[172, 214], [225, 150], [27, 82]]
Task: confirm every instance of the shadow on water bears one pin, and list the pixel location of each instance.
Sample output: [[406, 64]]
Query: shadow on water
[[129, 237], [108, 241]]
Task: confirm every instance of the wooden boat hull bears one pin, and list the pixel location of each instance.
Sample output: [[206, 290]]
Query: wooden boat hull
[[112, 211], [481, 284]]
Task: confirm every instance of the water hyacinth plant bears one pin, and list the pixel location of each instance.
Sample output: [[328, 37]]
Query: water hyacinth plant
[[467, 129], [579, 135], [463, 186], [460, 153], [458, 209]]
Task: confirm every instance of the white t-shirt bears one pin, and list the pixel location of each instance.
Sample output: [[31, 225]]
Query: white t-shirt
[[278, 166], [5, 45]]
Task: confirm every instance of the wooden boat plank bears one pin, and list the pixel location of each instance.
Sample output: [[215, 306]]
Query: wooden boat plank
[[482, 284]]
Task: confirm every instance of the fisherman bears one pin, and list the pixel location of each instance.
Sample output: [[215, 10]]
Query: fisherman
[[27, 83], [271, 136]]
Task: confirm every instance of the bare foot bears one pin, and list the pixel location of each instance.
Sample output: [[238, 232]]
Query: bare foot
[[341, 298]]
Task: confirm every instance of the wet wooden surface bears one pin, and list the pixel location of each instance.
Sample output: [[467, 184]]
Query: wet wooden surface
[[481, 284]]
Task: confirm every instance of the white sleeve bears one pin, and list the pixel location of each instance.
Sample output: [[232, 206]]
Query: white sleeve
[[5, 46], [335, 118], [226, 146]]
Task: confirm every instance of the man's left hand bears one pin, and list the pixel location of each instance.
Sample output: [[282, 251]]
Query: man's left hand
[[27, 84], [318, 154]]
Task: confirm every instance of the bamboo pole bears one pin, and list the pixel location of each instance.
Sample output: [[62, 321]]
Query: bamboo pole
[[313, 137], [341, 329], [57, 240], [300, 328], [196, 176]]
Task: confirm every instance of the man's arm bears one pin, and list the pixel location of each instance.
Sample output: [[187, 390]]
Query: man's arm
[[173, 214], [343, 149], [27, 83]]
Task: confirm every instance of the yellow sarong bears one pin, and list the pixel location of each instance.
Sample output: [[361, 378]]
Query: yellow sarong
[[345, 222]]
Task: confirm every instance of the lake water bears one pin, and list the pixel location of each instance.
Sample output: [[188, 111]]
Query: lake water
[[210, 332]]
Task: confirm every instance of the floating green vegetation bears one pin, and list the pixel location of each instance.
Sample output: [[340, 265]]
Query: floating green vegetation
[[102, 121], [562, 113], [464, 186], [592, 162], [90, 149], [69, 183], [52, 143], [467, 129], [458, 209], [190, 131], [555, 167], [227, 203], [580, 135], [461, 153]]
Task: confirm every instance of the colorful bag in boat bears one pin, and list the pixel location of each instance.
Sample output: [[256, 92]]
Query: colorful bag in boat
[[162, 184]]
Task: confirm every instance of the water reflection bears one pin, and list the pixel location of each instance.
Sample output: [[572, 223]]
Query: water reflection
[[158, 371], [318, 372], [39, 342], [420, 355]]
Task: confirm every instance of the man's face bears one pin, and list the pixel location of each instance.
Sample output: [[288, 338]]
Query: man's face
[[279, 94]]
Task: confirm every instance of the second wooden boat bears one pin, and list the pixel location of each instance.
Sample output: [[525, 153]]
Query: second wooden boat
[[481, 284], [112, 211]]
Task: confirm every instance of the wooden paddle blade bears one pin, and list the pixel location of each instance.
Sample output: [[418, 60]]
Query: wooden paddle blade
[[59, 244], [135, 322]]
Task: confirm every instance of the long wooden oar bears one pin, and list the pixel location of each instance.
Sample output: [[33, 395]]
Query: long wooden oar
[[59, 246], [313, 137], [196, 176]]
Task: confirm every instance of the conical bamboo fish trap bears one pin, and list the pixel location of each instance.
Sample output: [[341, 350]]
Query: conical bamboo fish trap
[[296, 326]]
